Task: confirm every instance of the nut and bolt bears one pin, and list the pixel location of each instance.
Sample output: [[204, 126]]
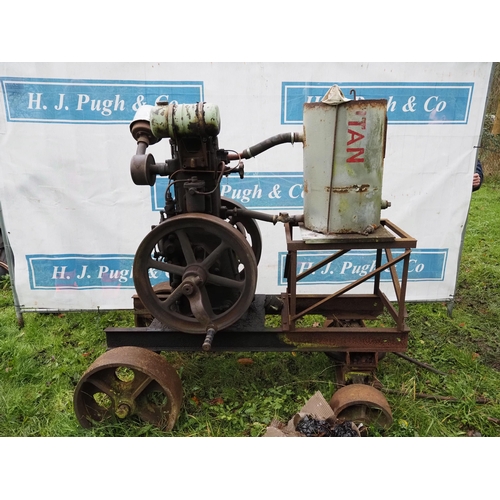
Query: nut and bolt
[[122, 411]]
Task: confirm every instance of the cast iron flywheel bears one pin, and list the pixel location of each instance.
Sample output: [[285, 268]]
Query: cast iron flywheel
[[211, 268]]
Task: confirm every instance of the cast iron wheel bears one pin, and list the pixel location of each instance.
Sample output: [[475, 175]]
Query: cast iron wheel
[[127, 382], [362, 403], [211, 267], [247, 226]]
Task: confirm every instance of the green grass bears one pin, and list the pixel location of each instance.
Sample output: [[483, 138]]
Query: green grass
[[41, 363]]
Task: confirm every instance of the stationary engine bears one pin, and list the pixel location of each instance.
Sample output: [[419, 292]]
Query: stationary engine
[[209, 246]]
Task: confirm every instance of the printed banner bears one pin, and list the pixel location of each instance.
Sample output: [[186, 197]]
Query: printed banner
[[407, 103], [425, 265], [83, 272], [94, 101], [256, 191]]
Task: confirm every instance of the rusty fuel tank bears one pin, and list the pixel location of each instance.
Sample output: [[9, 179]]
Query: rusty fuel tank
[[344, 149]]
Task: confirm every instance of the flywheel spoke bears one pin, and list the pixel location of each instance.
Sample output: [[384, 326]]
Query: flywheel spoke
[[166, 267], [214, 255], [171, 298], [226, 282], [186, 247]]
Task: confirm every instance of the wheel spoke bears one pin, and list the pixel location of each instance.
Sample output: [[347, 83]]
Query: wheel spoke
[[362, 412], [101, 385], [104, 382], [171, 298], [187, 249], [154, 406], [166, 267], [95, 412], [214, 255], [152, 415], [225, 282], [141, 381]]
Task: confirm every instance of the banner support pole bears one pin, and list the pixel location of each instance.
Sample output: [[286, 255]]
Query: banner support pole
[[10, 262]]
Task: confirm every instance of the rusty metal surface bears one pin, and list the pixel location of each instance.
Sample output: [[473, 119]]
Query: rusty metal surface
[[352, 306], [355, 367], [399, 239], [349, 339], [361, 403], [212, 270], [125, 382], [377, 235], [296, 308], [257, 340], [296, 314]]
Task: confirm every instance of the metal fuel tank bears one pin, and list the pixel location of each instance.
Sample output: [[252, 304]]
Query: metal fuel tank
[[344, 149]]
